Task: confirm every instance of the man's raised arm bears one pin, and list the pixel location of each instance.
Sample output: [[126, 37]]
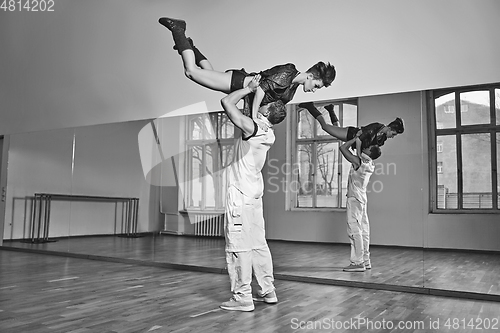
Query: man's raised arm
[[229, 102], [344, 149]]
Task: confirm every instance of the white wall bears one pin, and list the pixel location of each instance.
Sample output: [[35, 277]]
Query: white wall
[[394, 202], [101, 61], [37, 162]]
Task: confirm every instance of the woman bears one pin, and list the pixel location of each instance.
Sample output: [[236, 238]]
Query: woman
[[277, 83]]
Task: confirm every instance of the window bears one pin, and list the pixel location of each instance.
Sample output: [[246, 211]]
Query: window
[[465, 175], [209, 149], [439, 167], [319, 173]]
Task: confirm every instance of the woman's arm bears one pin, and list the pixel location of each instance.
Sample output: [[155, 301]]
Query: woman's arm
[[257, 99], [358, 146]]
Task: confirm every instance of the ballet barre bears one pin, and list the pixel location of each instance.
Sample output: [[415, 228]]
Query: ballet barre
[[41, 208]]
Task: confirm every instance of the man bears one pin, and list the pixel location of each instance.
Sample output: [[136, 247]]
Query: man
[[246, 246], [358, 226]]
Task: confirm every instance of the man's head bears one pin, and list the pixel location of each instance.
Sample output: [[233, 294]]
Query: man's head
[[373, 152], [319, 76], [275, 112], [396, 127]]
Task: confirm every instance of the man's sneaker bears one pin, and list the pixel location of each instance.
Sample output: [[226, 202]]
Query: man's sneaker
[[355, 268], [269, 298], [237, 305], [368, 265]]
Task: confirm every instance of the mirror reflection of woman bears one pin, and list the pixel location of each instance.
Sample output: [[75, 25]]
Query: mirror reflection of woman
[[374, 134]]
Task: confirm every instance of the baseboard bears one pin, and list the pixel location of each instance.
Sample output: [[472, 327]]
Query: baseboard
[[402, 247], [172, 232], [53, 239]]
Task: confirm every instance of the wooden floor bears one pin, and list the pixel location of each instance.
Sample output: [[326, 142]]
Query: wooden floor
[[45, 293], [462, 271]]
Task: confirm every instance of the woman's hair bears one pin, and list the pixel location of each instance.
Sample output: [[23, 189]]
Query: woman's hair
[[277, 112], [375, 152], [323, 72], [397, 125]]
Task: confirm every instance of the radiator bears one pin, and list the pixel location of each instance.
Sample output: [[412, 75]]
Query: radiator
[[208, 224]]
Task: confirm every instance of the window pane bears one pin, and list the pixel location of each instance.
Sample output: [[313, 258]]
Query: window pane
[[445, 111], [226, 127], [195, 176], [305, 126], [195, 128], [476, 166], [327, 175], [227, 158], [210, 126], [497, 106], [349, 115], [305, 178], [475, 107], [210, 179], [447, 197], [326, 116]]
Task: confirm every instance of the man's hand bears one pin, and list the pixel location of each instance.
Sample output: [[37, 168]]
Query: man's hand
[[254, 84]]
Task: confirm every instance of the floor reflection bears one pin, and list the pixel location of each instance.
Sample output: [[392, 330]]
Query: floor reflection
[[409, 267]]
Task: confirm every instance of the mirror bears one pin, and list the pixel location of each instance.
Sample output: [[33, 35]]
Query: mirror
[[126, 186], [462, 248]]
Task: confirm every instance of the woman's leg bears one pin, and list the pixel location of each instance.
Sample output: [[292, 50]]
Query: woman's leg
[[205, 76], [333, 116], [334, 130], [200, 60]]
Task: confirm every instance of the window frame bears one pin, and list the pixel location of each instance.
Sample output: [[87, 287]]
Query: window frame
[[458, 131]]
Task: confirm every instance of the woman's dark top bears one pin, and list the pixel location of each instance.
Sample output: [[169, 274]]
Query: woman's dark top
[[277, 84], [370, 135]]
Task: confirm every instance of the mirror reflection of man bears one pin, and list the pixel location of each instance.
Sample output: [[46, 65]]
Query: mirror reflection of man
[[358, 225]]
